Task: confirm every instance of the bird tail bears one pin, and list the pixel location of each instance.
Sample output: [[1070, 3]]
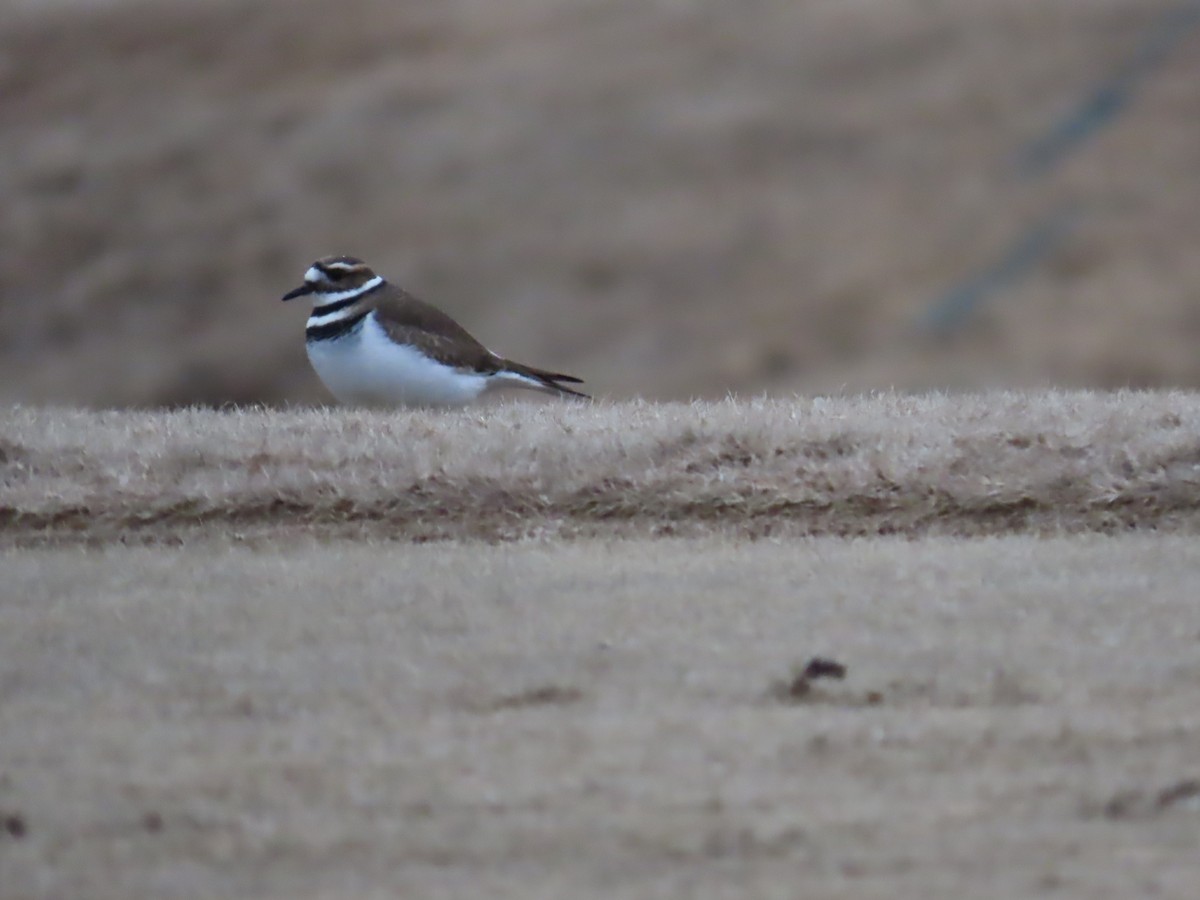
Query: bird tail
[[540, 379]]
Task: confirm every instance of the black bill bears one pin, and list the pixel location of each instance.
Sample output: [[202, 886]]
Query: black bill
[[303, 291]]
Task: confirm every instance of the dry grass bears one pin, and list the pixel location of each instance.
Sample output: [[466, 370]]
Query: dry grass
[[597, 720], [271, 712], [872, 465]]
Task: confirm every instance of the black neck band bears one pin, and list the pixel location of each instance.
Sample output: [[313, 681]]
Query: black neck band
[[332, 330]]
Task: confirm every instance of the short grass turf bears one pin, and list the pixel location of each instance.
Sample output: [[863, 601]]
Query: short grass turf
[[608, 719]]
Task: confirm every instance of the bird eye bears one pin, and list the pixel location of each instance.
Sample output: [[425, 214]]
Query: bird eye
[[335, 275]]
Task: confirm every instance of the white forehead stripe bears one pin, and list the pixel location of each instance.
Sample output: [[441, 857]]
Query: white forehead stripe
[[313, 274]]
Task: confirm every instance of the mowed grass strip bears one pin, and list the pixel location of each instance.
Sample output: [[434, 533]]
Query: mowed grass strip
[[880, 464], [601, 720]]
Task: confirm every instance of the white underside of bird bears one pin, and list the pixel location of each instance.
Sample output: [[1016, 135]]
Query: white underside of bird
[[366, 367]]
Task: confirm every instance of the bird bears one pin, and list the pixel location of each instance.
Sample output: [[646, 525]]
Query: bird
[[374, 344]]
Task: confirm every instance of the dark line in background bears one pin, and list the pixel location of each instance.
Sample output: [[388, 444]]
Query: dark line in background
[[1110, 97], [1099, 109], [1036, 244]]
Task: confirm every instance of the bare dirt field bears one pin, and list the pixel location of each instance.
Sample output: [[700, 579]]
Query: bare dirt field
[[321, 653]]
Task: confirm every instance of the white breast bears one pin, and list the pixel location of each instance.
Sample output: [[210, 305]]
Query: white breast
[[366, 367]]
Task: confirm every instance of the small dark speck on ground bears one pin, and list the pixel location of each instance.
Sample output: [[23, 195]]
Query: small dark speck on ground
[[546, 695], [14, 824], [1132, 804], [819, 667], [800, 685]]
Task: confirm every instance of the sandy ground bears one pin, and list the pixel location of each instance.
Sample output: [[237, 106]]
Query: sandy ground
[[602, 719], [673, 199]]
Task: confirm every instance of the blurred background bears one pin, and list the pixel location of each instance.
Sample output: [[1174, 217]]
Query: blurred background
[[669, 198]]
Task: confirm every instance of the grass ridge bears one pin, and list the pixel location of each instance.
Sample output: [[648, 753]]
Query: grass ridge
[[879, 464]]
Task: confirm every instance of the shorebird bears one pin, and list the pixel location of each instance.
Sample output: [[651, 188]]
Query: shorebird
[[373, 343]]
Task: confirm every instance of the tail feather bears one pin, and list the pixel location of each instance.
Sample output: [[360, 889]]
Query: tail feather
[[541, 379]]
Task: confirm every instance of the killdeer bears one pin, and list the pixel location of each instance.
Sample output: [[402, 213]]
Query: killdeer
[[373, 343]]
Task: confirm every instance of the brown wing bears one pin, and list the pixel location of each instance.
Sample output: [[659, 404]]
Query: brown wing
[[408, 320]]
